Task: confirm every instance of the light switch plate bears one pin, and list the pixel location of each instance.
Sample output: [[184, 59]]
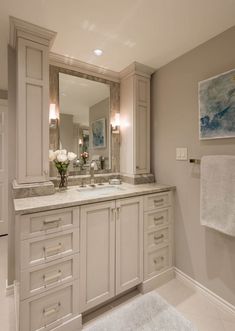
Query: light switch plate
[[181, 154]]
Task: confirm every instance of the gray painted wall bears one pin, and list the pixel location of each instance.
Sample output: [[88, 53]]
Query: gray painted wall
[[203, 254]]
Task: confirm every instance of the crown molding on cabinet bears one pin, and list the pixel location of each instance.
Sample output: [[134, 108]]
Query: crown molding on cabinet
[[26, 30], [86, 68], [91, 69], [137, 68]]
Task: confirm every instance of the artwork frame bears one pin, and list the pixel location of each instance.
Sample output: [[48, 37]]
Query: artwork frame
[[216, 97], [98, 133]]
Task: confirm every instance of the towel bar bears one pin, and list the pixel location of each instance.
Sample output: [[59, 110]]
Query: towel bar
[[195, 161]]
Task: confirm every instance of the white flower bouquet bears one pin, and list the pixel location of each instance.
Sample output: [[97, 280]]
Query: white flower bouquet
[[62, 160]]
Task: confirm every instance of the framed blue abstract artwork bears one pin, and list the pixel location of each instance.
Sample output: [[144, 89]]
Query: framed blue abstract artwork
[[217, 106], [98, 133]]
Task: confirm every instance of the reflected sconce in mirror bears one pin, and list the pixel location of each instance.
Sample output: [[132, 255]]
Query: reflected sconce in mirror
[[116, 123], [53, 116]]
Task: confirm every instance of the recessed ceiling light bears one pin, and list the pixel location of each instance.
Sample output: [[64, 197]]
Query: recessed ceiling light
[[98, 52]]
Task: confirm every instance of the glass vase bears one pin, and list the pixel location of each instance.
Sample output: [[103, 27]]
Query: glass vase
[[63, 180]]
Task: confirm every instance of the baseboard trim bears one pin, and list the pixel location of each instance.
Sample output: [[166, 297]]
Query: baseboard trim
[[9, 289], [216, 299], [156, 281]]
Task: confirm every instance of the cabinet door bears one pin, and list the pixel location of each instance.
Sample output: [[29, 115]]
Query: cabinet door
[[97, 254], [142, 125], [129, 243], [32, 112]]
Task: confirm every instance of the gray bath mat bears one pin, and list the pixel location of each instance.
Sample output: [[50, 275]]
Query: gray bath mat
[[146, 313]]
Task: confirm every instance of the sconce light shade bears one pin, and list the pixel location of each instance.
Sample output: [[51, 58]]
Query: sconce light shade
[[53, 115], [116, 123]]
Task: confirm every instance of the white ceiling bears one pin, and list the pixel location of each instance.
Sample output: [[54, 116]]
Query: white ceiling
[[152, 32], [77, 95]]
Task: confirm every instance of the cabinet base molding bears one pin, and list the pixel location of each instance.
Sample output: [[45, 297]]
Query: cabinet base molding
[[220, 302], [156, 281], [74, 324]]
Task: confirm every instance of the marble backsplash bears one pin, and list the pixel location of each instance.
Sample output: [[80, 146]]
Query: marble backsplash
[[49, 188]]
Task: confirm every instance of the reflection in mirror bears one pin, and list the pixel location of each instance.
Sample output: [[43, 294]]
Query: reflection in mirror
[[84, 121]]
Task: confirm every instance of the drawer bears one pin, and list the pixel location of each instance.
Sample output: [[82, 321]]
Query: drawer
[[47, 311], [157, 261], [157, 238], [158, 200], [44, 277], [40, 250], [157, 219], [38, 224]]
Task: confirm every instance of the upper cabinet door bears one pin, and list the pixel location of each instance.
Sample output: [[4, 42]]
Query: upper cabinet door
[[129, 243], [142, 125], [32, 111], [97, 254]]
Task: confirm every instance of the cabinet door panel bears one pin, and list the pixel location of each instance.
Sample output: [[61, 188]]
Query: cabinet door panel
[[97, 254], [33, 112], [129, 243]]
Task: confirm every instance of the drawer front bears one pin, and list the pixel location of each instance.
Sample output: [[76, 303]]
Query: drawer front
[[45, 312], [157, 261], [157, 238], [38, 224], [157, 219], [158, 200], [44, 277], [47, 248]]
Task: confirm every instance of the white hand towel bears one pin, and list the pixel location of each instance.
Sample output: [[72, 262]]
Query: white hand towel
[[217, 208]]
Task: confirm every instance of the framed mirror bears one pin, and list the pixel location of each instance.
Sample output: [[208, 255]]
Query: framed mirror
[[86, 107]]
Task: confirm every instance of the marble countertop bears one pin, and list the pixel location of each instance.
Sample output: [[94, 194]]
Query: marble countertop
[[76, 196]]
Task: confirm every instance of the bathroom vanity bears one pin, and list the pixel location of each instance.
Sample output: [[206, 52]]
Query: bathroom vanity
[[78, 249]]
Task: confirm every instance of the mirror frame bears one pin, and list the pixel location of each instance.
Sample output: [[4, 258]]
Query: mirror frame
[[114, 153]]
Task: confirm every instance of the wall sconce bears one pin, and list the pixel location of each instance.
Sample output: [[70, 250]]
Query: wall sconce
[[116, 123], [80, 142], [53, 116]]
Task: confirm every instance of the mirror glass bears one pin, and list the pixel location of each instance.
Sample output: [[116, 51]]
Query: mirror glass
[[85, 121]]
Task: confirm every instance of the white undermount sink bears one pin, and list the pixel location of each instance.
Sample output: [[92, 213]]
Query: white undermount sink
[[99, 190]]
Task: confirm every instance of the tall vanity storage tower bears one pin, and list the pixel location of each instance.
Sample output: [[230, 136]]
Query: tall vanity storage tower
[[32, 45], [135, 121]]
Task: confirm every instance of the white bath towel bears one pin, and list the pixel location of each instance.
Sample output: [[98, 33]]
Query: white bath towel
[[218, 193]]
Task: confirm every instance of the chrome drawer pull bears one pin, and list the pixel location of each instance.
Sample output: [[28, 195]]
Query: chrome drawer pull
[[160, 258], [52, 222], [53, 277], [51, 310], [156, 219], [158, 201], [159, 237], [55, 249]]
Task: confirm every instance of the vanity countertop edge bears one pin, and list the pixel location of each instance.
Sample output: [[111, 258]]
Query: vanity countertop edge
[[72, 198]]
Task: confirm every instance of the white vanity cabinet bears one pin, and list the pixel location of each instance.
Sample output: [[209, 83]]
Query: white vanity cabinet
[[70, 260], [158, 234], [32, 44], [135, 120], [111, 249], [47, 270]]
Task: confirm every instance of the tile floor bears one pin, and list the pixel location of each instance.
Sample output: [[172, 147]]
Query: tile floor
[[193, 305]]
